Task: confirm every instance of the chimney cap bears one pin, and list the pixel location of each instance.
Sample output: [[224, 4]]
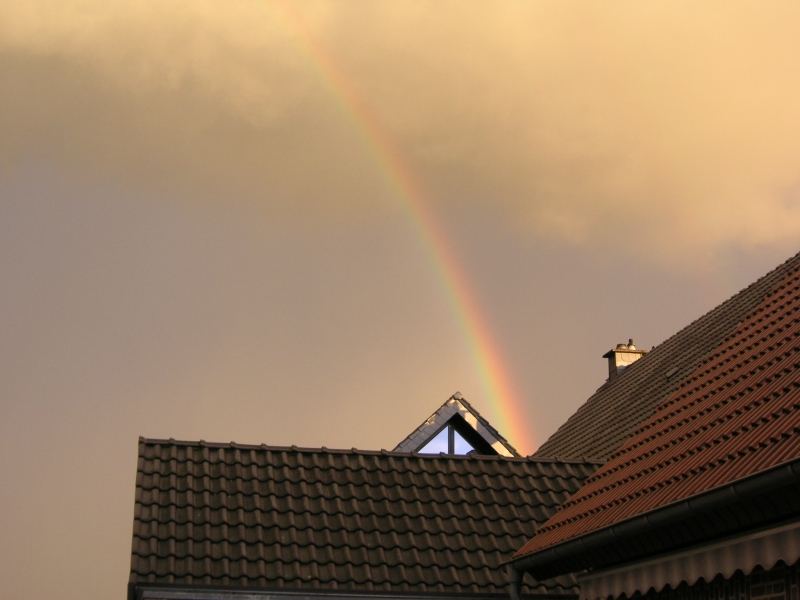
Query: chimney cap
[[629, 346], [623, 347]]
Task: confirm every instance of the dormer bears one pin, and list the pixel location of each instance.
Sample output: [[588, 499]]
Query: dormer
[[456, 428]]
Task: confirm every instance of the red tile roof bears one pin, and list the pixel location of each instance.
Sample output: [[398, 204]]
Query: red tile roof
[[612, 413], [734, 416]]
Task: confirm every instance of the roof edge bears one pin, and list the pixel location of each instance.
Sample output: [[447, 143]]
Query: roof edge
[[786, 473], [145, 441], [165, 591]]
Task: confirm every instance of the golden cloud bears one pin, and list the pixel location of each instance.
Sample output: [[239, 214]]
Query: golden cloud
[[673, 125]]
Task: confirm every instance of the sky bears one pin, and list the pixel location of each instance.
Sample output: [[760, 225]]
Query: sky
[[311, 222]]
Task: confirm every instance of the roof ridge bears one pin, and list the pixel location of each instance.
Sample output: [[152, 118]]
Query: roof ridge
[[356, 451]]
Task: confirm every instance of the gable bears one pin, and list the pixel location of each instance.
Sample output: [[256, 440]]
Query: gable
[[456, 417]]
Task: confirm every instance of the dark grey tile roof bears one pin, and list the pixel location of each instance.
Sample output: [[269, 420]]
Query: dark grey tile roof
[[259, 517], [612, 413]]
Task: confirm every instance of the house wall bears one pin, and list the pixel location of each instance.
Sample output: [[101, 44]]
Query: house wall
[[778, 583]]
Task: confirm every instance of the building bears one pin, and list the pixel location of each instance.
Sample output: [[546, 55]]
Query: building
[[702, 500], [214, 521], [612, 413], [678, 479]]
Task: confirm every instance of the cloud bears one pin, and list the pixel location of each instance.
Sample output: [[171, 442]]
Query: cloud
[[672, 128]]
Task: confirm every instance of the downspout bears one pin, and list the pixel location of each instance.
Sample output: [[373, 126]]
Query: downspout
[[514, 582]]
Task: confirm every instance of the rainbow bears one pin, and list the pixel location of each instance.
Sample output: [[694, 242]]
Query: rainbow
[[506, 402]]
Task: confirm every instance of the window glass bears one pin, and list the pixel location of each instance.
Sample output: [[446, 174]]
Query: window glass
[[461, 445], [437, 445]]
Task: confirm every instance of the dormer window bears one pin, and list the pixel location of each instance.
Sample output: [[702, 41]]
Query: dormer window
[[456, 429], [447, 441]]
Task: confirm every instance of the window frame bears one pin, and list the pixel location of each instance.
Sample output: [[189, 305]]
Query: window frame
[[451, 442]]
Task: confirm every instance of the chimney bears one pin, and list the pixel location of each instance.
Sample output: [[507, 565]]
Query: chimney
[[622, 356]]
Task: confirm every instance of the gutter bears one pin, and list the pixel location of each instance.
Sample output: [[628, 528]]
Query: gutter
[[787, 473], [191, 592]]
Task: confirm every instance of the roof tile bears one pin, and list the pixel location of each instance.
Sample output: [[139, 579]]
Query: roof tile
[[615, 410], [737, 414], [290, 518]]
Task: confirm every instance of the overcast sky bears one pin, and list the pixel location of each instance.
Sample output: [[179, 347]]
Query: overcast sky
[[197, 240]]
